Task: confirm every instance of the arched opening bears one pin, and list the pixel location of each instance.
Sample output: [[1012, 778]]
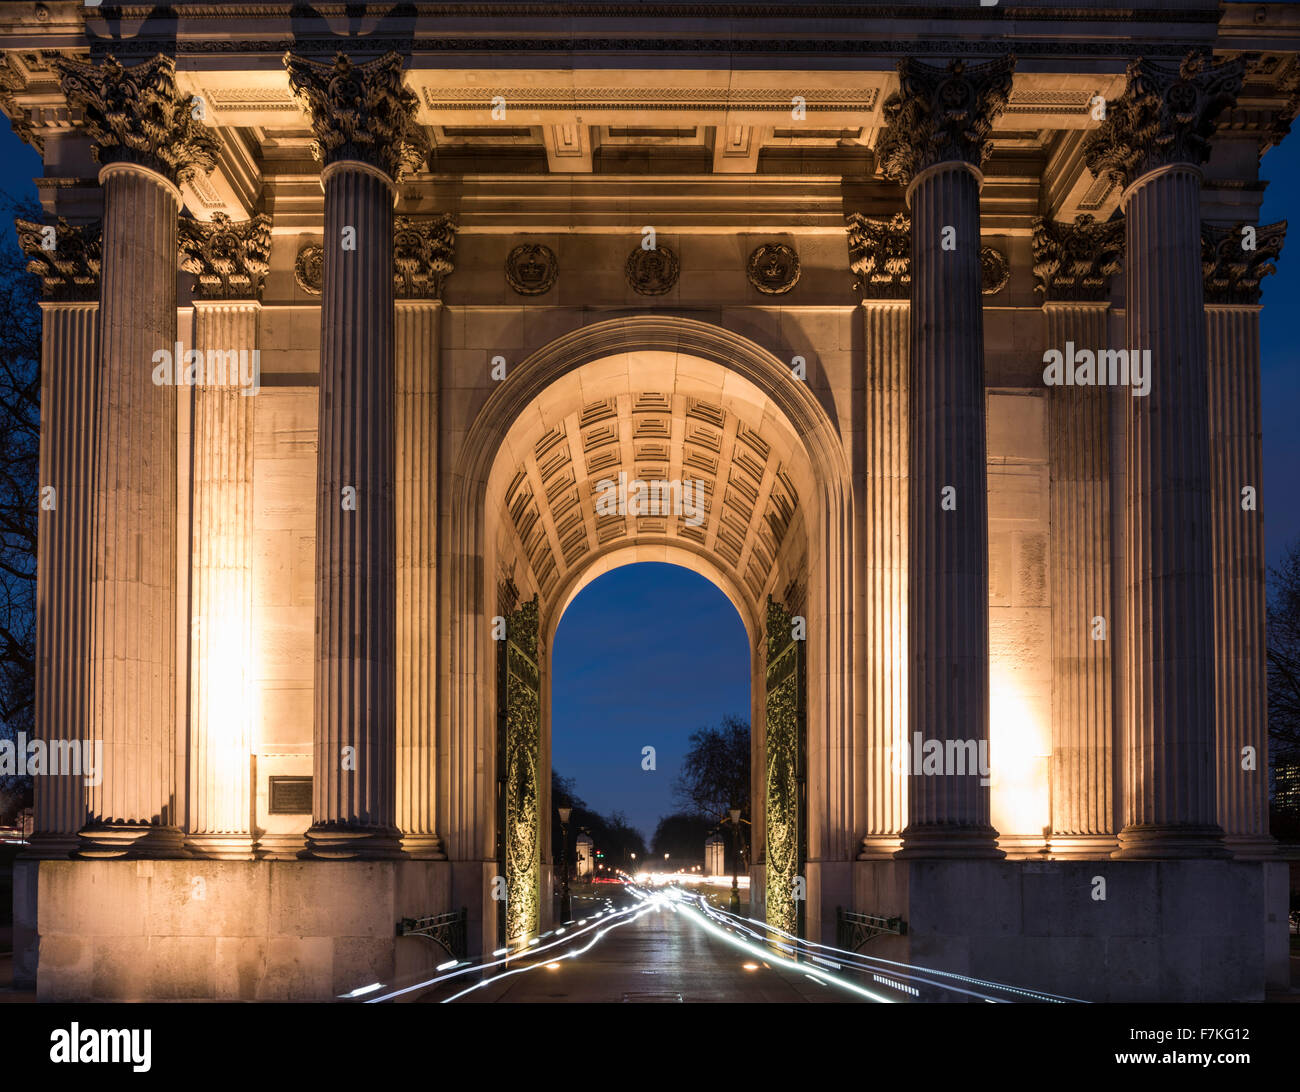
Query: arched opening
[[751, 493], [642, 657]]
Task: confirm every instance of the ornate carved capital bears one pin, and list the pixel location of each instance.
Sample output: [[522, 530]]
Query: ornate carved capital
[[360, 112], [1234, 260], [423, 252], [941, 114], [1076, 261], [65, 256], [230, 258], [135, 115], [880, 255], [1166, 115]]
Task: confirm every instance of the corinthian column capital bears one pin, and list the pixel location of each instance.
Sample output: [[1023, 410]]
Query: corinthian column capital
[[940, 115], [360, 112], [1166, 115], [1076, 261], [423, 252], [230, 258], [1234, 260], [135, 115], [65, 256], [880, 255]]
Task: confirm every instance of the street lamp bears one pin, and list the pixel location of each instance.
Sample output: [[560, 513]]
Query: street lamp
[[735, 860], [564, 863]]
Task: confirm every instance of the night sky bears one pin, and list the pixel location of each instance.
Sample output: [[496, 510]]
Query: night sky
[[649, 653]]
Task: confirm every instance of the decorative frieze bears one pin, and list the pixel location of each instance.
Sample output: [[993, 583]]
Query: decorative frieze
[[69, 270], [941, 114], [229, 258], [1166, 115], [1235, 259], [362, 112], [135, 115], [1076, 261], [423, 252]]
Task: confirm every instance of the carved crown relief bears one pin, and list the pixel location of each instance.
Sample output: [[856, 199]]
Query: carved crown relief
[[361, 112], [532, 269], [773, 269], [941, 114], [230, 258], [309, 269], [1166, 115], [652, 272], [69, 270], [135, 115]]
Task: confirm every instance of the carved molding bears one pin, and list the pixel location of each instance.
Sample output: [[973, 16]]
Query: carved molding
[[1232, 270], [423, 253], [135, 115], [941, 114], [1166, 115], [652, 272], [1076, 261], [532, 269], [309, 269], [230, 258], [360, 112], [11, 81], [880, 254], [71, 270], [773, 269]]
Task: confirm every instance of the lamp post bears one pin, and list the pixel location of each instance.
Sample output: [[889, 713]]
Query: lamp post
[[735, 860], [564, 863]]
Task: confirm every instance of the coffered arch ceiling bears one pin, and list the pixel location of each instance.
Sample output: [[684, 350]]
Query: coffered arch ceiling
[[655, 416]]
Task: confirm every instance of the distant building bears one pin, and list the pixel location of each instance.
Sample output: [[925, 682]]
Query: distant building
[[1286, 777], [715, 855], [586, 855]]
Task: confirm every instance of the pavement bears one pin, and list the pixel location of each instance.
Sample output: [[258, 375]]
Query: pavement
[[660, 957]]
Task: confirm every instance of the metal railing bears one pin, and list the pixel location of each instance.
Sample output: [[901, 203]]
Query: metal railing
[[853, 930], [449, 930]]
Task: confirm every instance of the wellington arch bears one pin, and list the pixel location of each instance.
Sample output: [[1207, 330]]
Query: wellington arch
[[373, 333]]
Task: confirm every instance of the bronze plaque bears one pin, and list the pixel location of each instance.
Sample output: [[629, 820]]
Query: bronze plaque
[[290, 796]]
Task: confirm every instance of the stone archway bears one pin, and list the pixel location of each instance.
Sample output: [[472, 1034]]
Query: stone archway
[[508, 483]]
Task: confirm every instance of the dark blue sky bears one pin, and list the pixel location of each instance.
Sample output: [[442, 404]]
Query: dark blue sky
[[644, 656], [672, 656]]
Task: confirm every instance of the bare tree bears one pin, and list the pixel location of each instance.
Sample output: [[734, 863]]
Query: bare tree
[[715, 773]]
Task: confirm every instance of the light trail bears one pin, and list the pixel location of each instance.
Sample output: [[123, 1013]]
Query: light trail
[[861, 962]]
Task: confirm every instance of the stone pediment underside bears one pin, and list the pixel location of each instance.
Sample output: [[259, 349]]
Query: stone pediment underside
[[669, 456]]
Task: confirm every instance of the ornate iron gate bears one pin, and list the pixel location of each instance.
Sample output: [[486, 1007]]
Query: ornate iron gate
[[786, 782], [518, 783]]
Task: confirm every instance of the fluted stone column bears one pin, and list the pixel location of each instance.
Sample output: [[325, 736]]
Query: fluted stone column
[[69, 358], [1152, 142], [937, 137], [422, 259], [1074, 264], [880, 252], [363, 118], [1241, 257], [147, 139], [230, 261]]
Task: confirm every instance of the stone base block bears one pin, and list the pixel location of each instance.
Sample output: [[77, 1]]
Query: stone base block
[[1165, 931], [207, 930]]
